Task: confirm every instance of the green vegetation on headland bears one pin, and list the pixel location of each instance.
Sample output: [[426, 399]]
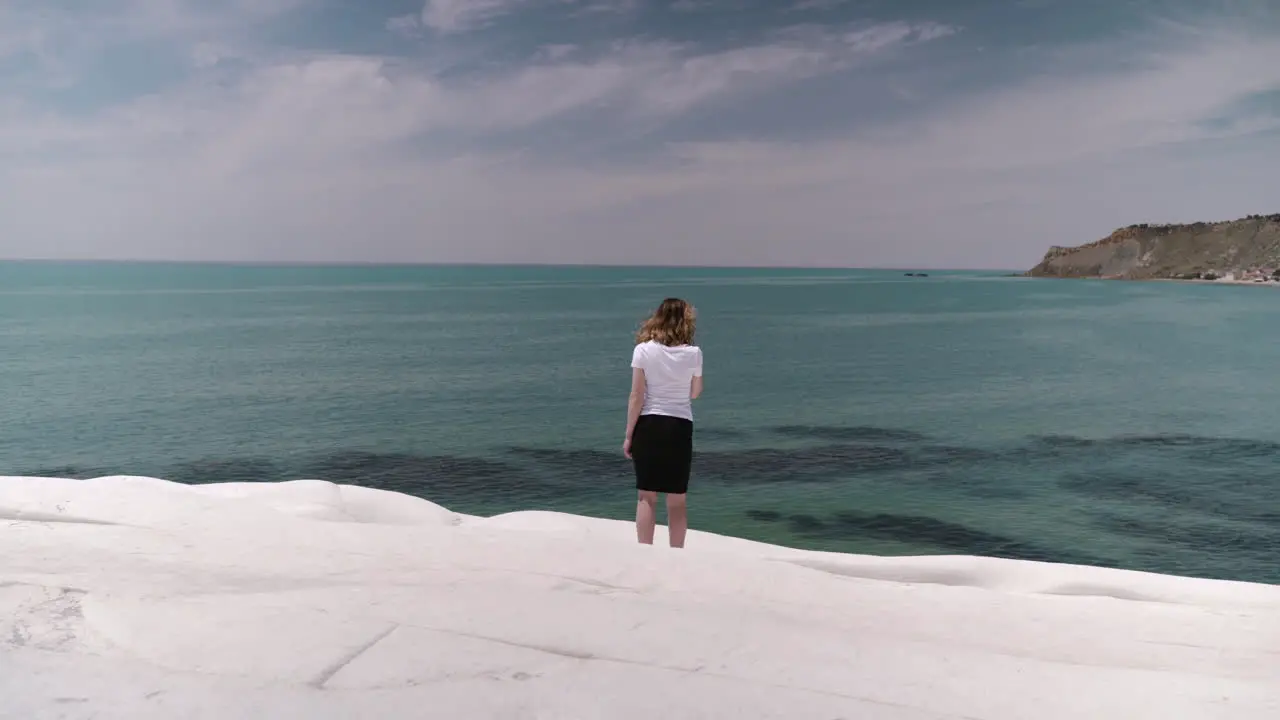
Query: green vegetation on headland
[[1245, 250]]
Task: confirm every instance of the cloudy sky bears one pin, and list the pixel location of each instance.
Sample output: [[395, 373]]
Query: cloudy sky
[[938, 133]]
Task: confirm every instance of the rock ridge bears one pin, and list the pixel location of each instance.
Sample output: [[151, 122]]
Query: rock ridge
[[1245, 250]]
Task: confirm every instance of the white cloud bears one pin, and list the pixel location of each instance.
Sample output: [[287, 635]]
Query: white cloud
[[693, 5], [215, 170], [455, 16], [557, 51], [876, 38], [67, 38], [458, 15], [804, 5], [338, 157], [205, 55], [609, 6], [406, 25], [118, 20], [635, 80], [934, 31]]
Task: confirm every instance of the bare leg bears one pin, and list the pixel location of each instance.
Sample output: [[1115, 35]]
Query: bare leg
[[646, 516], [677, 519]]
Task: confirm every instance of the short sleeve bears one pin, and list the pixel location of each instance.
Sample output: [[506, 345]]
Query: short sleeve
[[697, 369], [637, 357]]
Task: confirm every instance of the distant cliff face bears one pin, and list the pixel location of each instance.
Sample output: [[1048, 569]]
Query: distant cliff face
[[1250, 246]]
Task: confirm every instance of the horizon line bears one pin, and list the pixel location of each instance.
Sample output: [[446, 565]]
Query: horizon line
[[479, 263]]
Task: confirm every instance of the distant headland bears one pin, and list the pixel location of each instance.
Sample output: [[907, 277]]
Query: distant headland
[[1244, 250]]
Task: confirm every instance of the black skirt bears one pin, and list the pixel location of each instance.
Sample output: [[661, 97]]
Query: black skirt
[[662, 451]]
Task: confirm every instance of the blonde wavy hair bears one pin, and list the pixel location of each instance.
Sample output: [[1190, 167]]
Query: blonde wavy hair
[[673, 323]]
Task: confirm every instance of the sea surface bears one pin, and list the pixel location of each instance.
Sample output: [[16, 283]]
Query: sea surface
[[1132, 425]]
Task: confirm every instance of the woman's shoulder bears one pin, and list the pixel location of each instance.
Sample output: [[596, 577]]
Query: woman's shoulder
[[651, 345]]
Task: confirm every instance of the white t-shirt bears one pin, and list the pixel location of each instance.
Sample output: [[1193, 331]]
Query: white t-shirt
[[668, 374]]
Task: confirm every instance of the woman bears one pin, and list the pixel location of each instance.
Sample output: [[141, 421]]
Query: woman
[[666, 376]]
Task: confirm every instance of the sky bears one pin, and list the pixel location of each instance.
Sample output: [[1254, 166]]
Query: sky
[[863, 133]]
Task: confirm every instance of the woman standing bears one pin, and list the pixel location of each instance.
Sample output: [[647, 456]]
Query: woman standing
[[666, 376]]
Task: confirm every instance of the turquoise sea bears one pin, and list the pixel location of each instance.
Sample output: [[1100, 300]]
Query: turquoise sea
[[1121, 424]]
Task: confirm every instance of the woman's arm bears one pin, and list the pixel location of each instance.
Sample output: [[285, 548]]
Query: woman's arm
[[695, 385], [636, 402]]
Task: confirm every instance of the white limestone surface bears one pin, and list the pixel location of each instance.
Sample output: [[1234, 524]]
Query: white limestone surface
[[127, 597]]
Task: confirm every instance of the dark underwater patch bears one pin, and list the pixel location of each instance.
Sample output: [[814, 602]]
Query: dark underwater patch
[[979, 481], [451, 480], [218, 470], [574, 464], [825, 463], [71, 472], [1199, 536], [922, 530], [952, 454], [1231, 493], [1267, 517], [819, 463], [1071, 442], [717, 433], [968, 470], [807, 526], [1128, 486], [838, 433], [1195, 445]]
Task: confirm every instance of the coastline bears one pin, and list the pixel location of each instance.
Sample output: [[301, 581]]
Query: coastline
[[1247, 248], [1187, 281], [312, 599], [1266, 283]]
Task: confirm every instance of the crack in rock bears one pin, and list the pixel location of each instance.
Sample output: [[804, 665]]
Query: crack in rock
[[326, 674]]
